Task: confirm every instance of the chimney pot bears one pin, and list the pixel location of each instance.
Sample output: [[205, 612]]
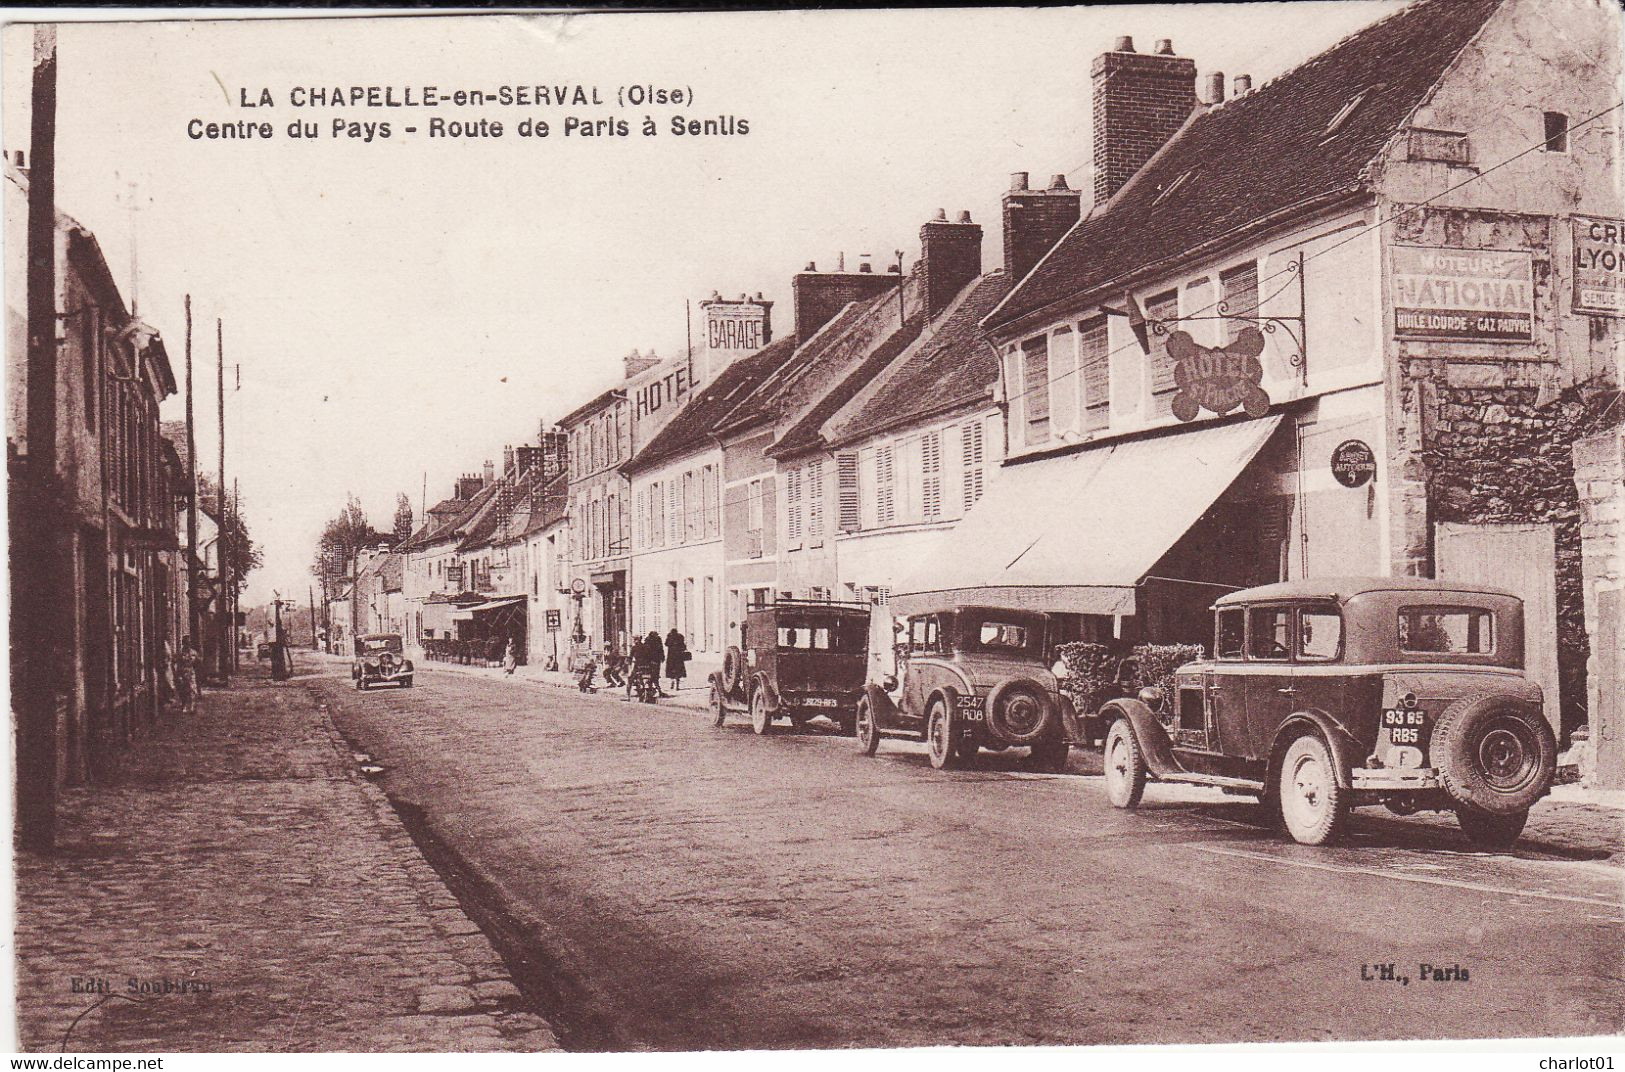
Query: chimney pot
[[894, 269], [1165, 46], [866, 268], [812, 266], [759, 296], [1242, 84], [1215, 88], [964, 216], [942, 214], [1058, 182], [1018, 181], [1124, 44], [742, 297]]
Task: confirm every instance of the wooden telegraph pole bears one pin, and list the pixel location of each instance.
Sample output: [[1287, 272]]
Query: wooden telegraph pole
[[222, 599], [42, 619], [193, 622]]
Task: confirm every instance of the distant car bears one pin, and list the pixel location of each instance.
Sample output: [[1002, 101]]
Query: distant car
[[264, 650], [379, 661], [971, 678], [799, 658], [1329, 694]]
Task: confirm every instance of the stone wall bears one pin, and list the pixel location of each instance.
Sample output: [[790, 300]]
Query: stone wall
[[1599, 481]]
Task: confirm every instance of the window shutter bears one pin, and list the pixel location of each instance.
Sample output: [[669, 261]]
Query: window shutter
[[1096, 368], [815, 500], [792, 506], [971, 454], [674, 514], [931, 469], [1164, 307], [846, 488], [885, 486]]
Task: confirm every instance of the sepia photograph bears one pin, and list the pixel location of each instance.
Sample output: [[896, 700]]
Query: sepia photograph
[[608, 531]]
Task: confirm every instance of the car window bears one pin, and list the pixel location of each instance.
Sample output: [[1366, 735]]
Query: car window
[[1320, 634], [1002, 635], [804, 638], [1447, 630], [1231, 633], [376, 647], [1268, 632], [923, 633]]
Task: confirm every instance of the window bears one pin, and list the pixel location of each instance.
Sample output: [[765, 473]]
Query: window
[[924, 634], [885, 486], [713, 521], [1231, 628], [973, 462], [1345, 113], [1268, 633], [1163, 307], [1446, 630], [1557, 133], [1002, 635], [1239, 291], [931, 475], [815, 501], [1320, 634], [1168, 190], [1094, 368], [1035, 387], [849, 499], [753, 503]]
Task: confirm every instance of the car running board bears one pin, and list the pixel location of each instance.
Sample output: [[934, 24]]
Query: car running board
[[1218, 780]]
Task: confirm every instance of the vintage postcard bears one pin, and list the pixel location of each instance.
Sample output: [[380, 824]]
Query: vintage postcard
[[602, 531]]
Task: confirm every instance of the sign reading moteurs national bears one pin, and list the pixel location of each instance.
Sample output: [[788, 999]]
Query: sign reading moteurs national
[[1462, 294], [1599, 266]]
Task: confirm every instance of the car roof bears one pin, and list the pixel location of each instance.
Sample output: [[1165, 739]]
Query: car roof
[[1342, 589], [978, 608], [381, 636]]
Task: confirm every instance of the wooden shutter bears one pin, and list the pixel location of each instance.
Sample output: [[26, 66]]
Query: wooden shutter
[[931, 475], [674, 513], [1164, 307], [1238, 288], [971, 454], [885, 485], [815, 500], [846, 489], [792, 506], [1095, 367]]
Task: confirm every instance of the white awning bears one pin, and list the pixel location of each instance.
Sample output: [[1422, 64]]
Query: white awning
[[1076, 533], [464, 614]]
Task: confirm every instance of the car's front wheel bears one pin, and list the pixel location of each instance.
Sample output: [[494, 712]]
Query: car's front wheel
[[761, 716], [719, 711], [360, 684], [1312, 803], [1496, 833], [866, 728], [1124, 766], [940, 737]]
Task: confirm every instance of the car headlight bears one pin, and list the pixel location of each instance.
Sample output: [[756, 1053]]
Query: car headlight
[[1059, 670], [1151, 696]]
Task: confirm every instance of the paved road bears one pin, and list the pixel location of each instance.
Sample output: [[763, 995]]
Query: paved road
[[662, 884]]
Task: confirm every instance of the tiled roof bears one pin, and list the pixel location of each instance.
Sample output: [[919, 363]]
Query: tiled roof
[[946, 369], [704, 412], [1260, 155], [586, 409]]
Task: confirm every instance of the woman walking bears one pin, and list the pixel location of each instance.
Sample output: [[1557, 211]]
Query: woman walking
[[510, 658], [677, 657]]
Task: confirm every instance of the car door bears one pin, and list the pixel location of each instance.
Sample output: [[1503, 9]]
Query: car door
[[1317, 682], [1225, 685], [1270, 693]]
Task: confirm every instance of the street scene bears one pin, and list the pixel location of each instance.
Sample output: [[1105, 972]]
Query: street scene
[[1175, 600]]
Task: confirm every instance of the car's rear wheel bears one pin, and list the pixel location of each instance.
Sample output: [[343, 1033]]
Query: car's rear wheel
[[1124, 766], [941, 729], [1495, 753], [719, 709], [1494, 832], [866, 727], [761, 716], [1312, 803]]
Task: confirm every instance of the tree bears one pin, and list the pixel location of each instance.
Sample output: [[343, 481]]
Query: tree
[[242, 554], [403, 517], [342, 538]]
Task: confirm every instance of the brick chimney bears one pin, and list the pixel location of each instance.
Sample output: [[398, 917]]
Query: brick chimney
[[733, 328], [490, 474], [819, 295], [950, 257], [1140, 101], [637, 363], [468, 486], [1034, 220]]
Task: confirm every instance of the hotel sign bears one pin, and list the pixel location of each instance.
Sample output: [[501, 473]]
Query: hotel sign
[[1472, 294], [1599, 266]]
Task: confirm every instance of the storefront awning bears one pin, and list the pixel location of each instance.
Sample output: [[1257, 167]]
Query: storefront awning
[[464, 614], [1076, 533]]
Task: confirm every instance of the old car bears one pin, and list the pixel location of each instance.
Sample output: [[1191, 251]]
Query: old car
[[379, 661], [264, 650], [970, 678], [797, 659], [1324, 695]]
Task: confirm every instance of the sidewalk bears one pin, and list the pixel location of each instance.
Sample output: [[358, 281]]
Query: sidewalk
[[240, 886]]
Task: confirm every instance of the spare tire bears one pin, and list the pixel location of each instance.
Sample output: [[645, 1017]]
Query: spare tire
[[1494, 752], [1020, 711], [733, 670]]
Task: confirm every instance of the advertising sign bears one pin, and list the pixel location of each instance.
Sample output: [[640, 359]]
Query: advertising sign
[[553, 621], [1218, 378], [1485, 294], [1599, 266], [1353, 463]]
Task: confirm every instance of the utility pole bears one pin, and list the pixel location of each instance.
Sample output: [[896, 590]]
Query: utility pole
[[236, 596], [193, 623], [223, 548], [310, 593], [42, 622]]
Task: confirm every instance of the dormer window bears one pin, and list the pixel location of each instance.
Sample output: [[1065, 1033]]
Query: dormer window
[[1167, 191], [1345, 113], [1557, 133]]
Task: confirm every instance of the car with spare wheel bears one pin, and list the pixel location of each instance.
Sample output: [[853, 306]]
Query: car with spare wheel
[[1325, 695], [797, 659], [970, 678], [379, 660]]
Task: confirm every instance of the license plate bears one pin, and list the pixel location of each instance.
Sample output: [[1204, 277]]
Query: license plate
[[1404, 725], [970, 707], [818, 701]]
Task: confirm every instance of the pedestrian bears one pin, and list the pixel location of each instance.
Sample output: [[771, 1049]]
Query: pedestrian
[[677, 657], [614, 668], [646, 658], [186, 664], [510, 658]]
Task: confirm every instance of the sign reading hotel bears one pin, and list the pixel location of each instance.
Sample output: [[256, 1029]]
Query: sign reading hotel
[[1599, 266], [1482, 294]]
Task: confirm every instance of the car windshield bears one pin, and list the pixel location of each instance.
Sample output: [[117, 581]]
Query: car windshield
[[845, 636], [1446, 630], [379, 645]]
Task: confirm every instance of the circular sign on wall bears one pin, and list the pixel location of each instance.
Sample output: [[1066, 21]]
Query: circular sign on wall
[[1353, 463], [578, 586]]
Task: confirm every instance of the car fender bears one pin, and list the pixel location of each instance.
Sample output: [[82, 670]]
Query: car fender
[[1148, 734], [760, 681], [880, 705], [1071, 727], [1346, 751]]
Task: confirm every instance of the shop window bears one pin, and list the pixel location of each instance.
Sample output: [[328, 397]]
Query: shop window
[[1557, 133], [1268, 633]]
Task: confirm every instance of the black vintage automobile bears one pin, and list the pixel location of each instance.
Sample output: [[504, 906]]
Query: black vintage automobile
[[379, 661], [1329, 694], [971, 678], [798, 659]]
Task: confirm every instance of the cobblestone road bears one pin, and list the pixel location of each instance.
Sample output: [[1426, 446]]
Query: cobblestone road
[[242, 860], [659, 883]]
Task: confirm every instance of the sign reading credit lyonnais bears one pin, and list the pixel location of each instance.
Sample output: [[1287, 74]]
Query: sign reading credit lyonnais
[[1462, 294], [1599, 266]]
